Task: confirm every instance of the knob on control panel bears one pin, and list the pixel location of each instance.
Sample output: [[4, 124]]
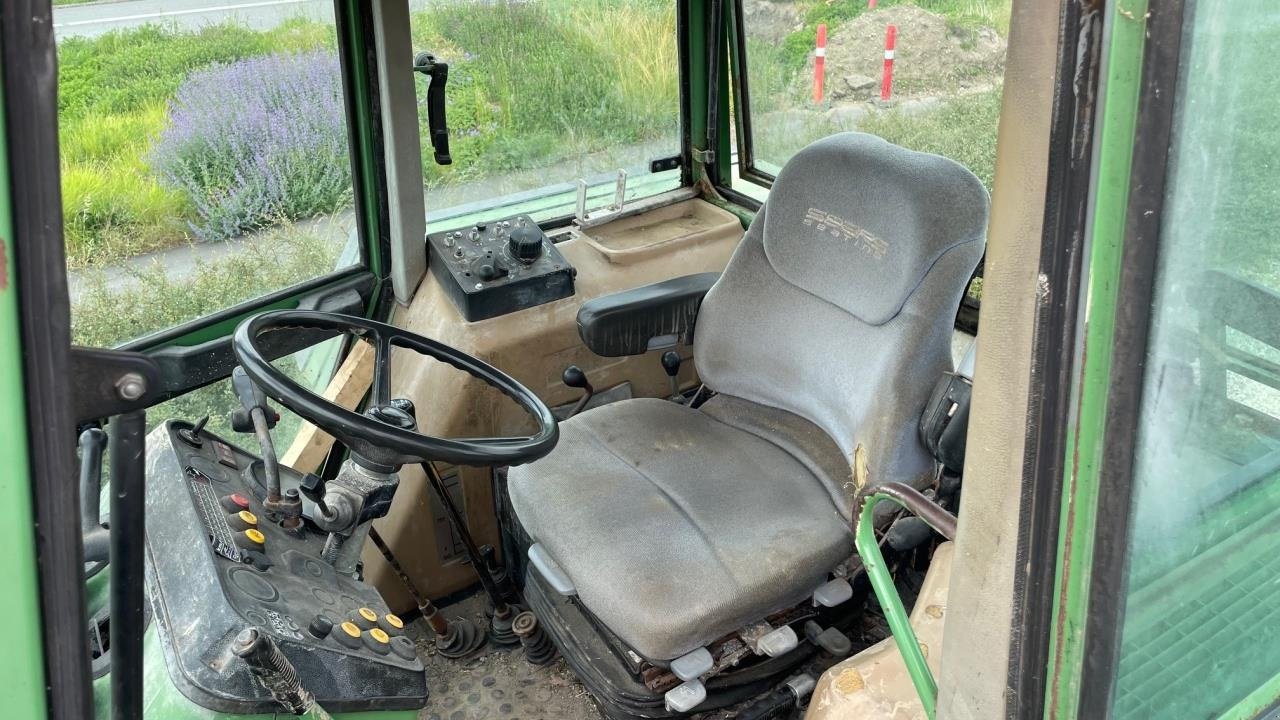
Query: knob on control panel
[[525, 243]]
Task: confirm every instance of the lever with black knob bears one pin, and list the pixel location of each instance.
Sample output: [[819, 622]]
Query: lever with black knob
[[575, 378], [671, 366]]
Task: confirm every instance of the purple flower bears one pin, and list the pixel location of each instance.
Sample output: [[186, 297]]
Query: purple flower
[[257, 141]]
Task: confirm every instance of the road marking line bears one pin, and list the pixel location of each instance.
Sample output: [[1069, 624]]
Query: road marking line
[[173, 13]]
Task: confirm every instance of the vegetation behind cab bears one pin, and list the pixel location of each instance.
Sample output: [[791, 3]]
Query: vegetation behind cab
[[174, 137]]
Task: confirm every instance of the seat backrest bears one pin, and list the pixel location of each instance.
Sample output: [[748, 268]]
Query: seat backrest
[[839, 303]]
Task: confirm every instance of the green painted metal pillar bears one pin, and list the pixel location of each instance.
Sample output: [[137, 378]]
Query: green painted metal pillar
[[22, 661]]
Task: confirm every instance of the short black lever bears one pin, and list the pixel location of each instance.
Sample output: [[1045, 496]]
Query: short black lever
[[437, 74], [671, 365], [575, 378]]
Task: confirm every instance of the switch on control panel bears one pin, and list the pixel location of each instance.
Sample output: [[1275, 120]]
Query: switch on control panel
[[491, 269]]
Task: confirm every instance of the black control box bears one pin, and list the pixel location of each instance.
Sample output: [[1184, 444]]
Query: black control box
[[495, 268], [218, 564]]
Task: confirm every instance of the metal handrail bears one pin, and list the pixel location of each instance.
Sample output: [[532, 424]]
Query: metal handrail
[[882, 582]]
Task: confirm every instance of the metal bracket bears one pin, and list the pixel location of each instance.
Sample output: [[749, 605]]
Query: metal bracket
[[704, 157], [111, 382], [584, 218]]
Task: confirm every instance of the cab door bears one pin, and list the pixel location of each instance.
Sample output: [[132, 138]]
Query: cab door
[[1168, 558]]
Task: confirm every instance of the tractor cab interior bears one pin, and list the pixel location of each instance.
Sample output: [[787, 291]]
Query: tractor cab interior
[[562, 359]]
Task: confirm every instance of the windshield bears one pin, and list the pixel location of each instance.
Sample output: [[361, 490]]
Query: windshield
[[543, 94]]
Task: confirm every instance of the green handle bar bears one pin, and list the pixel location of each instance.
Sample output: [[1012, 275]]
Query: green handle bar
[[882, 582]]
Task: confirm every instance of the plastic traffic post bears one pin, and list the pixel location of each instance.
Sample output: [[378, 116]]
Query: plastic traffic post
[[819, 63], [886, 82]]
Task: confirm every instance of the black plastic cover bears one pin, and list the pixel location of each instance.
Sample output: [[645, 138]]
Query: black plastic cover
[[623, 323], [944, 424], [205, 587]]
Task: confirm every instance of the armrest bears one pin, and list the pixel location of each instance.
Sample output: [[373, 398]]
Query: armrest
[[625, 323]]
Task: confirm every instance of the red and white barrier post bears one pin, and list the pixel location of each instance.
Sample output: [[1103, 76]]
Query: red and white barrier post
[[819, 63], [886, 82], [871, 4]]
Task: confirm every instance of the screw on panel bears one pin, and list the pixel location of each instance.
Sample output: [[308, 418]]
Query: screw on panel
[[131, 386]]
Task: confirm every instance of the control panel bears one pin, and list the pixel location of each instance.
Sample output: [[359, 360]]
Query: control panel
[[218, 564], [491, 269]]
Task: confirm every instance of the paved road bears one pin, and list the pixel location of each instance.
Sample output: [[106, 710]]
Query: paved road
[[94, 19]]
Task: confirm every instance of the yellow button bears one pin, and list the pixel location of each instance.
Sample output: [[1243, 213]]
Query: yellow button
[[379, 635], [394, 621], [350, 629], [255, 535], [368, 614], [248, 517]]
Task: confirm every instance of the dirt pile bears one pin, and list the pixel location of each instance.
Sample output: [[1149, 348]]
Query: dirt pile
[[932, 58], [772, 20]]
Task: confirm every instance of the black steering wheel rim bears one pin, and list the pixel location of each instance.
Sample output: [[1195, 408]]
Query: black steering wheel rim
[[370, 438]]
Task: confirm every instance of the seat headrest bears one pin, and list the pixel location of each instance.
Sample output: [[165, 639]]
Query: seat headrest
[[859, 222]]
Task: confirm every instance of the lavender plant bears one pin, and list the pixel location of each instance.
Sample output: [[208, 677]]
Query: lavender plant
[[257, 141]]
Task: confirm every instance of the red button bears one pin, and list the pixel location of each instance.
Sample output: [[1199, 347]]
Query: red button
[[240, 500]]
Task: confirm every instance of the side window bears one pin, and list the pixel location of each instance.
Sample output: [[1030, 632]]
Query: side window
[[543, 94], [942, 94], [1201, 629], [205, 161]]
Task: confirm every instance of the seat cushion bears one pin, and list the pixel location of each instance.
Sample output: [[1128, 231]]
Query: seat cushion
[[677, 528]]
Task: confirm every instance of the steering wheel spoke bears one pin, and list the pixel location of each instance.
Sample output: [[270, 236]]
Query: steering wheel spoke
[[381, 442]]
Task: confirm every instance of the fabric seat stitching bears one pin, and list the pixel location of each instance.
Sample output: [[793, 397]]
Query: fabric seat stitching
[[684, 512]]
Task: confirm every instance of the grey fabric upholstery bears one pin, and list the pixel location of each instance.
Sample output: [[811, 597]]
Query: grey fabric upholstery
[[826, 332], [677, 528], [827, 327]]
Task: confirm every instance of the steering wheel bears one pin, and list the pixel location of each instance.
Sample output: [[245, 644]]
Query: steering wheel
[[385, 434]]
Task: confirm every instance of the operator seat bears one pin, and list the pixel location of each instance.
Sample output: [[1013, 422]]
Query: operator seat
[[825, 332]]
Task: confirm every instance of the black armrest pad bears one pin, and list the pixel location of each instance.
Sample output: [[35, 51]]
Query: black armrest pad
[[623, 323]]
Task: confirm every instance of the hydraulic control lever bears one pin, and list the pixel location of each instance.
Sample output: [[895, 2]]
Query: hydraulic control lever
[[437, 74], [575, 378], [671, 366], [256, 416]]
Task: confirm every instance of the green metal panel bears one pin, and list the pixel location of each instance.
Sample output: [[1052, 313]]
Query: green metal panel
[[22, 661], [1126, 23]]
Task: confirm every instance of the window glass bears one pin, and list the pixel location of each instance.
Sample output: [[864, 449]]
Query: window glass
[[544, 93], [205, 159], [947, 75], [1201, 626]]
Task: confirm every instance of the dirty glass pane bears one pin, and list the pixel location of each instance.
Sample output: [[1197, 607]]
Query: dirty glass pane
[[543, 93], [1202, 616], [205, 159], [946, 84]]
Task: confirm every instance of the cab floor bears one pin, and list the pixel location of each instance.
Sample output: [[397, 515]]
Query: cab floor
[[499, 684]]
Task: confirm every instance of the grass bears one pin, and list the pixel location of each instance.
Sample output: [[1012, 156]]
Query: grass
[[529, 85], [532, 84], [106, 316]]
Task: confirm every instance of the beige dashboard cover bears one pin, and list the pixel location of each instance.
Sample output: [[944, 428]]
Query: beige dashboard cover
[[874, 685]]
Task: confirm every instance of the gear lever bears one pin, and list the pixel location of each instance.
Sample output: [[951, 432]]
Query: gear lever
[[575, 378], [671, 365]]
